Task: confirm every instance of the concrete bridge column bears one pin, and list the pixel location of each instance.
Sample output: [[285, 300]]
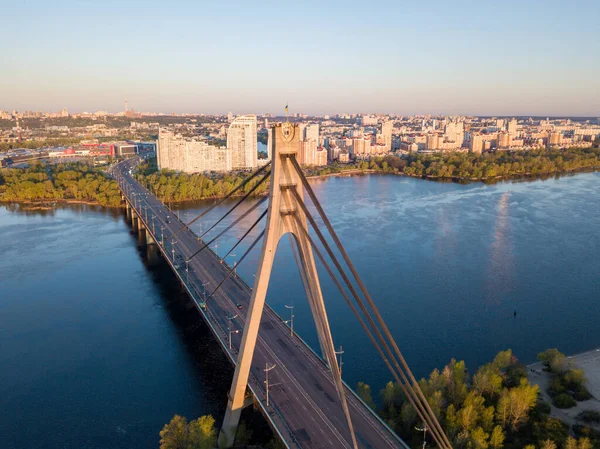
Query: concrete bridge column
[[128, 211], [149, 239]]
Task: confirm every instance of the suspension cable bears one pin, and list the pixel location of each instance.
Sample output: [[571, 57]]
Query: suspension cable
[[244, 198], [404, 383], [225, 198], [240, 218], [231, 270], [415, 386], [247, 232]]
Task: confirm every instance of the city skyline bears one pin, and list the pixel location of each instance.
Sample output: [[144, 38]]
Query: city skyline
[[462, 58]]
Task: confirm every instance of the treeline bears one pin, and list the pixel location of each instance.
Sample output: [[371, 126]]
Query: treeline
[[493, 409], [37, 144], [172, 186], [202, 434], [473, 167], [69, 181]]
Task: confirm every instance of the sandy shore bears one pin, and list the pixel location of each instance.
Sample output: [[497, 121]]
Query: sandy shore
[[589, 362]]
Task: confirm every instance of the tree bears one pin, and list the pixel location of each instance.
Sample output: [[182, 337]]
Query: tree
[[198, 434], [548, 444], [364, 392], [554, 360], [202, 433], [497, 438], [570, 443], [174, 435]]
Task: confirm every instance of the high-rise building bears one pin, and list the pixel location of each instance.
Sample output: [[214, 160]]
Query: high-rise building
[[311, 132], [307, 155], [476, 144], [433, 142], [386, 132], [503, 140], [241, 140], [512, 127], [190, 155]]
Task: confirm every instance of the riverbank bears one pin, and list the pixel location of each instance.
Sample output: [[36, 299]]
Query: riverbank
[[589, 362]]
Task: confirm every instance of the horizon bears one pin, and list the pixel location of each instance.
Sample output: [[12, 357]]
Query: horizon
[[463, 58]]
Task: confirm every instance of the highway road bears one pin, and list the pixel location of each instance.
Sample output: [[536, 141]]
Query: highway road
[[303, 403]]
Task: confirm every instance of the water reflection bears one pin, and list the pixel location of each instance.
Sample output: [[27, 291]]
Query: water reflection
[[500, 283]]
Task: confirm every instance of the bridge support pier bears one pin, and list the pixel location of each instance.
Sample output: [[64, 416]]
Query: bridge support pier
[[284, 216], [149, 239], [128, 211]]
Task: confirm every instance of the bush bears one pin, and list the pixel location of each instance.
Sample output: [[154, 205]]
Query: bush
[[563, 400], [589, 416], [556, 387], [582, 394], [585, 431]]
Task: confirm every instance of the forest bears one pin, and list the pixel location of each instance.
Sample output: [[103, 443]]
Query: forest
[[465, 167], [73, 181], [495, 408], [170, 186]]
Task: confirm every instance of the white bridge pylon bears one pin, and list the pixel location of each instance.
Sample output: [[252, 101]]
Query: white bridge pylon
[[285, 216]]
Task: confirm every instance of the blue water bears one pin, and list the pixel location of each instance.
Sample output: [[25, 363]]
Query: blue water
[[99, 349]]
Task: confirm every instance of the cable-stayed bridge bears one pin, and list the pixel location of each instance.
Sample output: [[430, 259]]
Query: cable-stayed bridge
[[300, 393]]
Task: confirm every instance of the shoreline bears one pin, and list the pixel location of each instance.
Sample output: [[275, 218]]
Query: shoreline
[[47, 205]]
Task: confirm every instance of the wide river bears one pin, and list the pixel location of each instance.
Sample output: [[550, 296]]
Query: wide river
[[98, 347]]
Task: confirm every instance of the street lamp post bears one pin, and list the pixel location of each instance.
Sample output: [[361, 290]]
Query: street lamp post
[[267, 369], [340, 352], [291, 320], [229, 330]]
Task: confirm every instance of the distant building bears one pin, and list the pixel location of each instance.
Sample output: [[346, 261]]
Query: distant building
[[476, 145], [512, 127], [190, 155], [241, 140], [386, 133], [311, 132], [125, 149]]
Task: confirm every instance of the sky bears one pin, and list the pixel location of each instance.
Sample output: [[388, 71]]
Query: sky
[[524, 57]]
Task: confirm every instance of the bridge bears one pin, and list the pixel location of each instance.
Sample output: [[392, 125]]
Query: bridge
[[300, 393]]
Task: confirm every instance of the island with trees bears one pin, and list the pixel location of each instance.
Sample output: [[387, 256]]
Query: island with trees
[[69, 182]]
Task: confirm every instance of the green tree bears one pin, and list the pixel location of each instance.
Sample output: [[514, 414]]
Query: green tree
[[202, 433], [364, 392], [174, 435], [497, 438]]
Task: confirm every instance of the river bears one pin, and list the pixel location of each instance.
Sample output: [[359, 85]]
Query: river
[[98, 347]]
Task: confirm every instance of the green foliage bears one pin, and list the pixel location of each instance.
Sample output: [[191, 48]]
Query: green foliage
[[198, 434], [567, 384], [589, 416], [170, 186], [563, 400], [468, 166], [364, 392], [37, 144], [70, 181], [497, 408], [554, 360], [243, 434]]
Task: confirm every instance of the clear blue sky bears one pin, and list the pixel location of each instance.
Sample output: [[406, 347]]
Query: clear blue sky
[[450, 57]]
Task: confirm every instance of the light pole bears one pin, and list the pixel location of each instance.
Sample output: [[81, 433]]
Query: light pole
[[234, 265], [162, 236], [187, 275], [173, 248], [424, 430], [229, 330], [291, 320], [217, 247], [340, 352], [267, 369], [204, 292]]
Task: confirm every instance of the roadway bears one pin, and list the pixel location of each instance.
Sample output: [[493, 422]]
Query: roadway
[[304, 408]]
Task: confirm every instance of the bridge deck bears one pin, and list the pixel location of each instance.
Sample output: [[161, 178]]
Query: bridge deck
[[303, 408]]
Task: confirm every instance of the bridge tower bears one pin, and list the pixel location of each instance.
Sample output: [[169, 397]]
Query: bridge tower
[[285, 216]]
